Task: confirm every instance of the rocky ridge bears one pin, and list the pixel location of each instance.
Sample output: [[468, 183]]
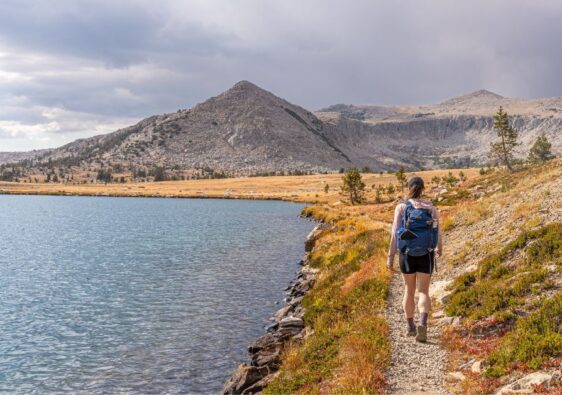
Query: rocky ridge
[[456, 132]]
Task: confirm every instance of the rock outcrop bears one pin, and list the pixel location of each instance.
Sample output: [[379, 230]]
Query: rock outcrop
[[528, 384]]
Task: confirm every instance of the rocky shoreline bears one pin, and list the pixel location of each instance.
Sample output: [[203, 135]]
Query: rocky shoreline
[[288, 327]]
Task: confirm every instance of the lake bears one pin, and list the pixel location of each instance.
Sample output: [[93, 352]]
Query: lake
[[142, 295]]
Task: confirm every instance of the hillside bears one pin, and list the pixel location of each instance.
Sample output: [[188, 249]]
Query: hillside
[[497, 299], [249, 131], [245, 130]]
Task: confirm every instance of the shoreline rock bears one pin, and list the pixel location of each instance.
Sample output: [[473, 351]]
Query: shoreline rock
[[288, 326]]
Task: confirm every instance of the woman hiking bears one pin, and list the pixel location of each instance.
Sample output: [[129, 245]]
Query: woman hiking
[[416, 237]]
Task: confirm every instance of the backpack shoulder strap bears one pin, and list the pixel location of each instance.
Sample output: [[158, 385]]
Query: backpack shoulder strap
[[409, 205]]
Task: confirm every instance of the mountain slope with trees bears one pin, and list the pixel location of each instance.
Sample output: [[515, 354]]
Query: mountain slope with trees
[[249, 131]]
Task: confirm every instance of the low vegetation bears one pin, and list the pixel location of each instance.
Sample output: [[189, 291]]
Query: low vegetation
[[511, 301], [502, 281], [535, 341], [350, 345]]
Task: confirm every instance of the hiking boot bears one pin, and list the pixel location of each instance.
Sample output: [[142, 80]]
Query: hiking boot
[[412, 332], [422, 333]]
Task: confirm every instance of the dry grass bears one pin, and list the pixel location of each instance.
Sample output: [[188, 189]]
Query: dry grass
[[523, 210], [295, 188], [373, 267], [350, 346]]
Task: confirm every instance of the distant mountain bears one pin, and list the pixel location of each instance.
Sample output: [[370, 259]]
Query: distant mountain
[[455, 132], [248, 130], [480, 97]]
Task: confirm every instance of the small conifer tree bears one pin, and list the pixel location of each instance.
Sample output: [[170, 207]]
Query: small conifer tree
[[390, 190], [541, 150], [401, 177], [353, 185], [503, 149]]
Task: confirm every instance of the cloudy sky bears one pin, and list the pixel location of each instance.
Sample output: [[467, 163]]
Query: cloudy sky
[[73, 68]]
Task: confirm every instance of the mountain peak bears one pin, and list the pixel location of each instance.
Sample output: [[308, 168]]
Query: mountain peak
[[245, 86], [245, 90], [482, 95]]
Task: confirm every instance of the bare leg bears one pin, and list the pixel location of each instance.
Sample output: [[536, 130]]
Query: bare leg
[[409, 293], [424, 302]]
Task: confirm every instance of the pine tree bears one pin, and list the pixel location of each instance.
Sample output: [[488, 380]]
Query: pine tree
[[390, 190], [540, 151], [378, 196], [353, 185], [503, 149], [401, 177]]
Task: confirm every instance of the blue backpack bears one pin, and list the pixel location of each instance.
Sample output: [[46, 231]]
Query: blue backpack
[[417, 236]]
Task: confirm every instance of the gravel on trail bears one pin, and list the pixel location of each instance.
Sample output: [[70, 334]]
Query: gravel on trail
[[417, 368]]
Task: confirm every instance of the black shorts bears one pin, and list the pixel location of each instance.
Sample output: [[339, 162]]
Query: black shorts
[[417, 264]]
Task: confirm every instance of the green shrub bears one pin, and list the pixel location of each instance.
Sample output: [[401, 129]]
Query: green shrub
[[497, 286], [535, 339]]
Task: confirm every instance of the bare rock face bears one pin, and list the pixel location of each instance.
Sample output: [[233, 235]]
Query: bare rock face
[[457, 131]]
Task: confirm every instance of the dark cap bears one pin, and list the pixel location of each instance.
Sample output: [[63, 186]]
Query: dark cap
[[415, 182]]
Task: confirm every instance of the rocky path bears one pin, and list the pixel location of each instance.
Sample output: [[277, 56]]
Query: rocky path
[[416, 367]]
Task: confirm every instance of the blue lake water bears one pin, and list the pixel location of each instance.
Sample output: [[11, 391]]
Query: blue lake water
[[110, 295]]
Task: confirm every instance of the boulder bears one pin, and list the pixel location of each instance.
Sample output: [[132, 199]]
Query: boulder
[[282, 312], [264, 342], [302, 286], [298, 312], [294, 302], [244, 377], [266, 351], [272, 328], [290, 326], [454, 321], [270, 357], [456, 376], [291, 322], [438, 290], [457, 321], [477, 366], [260, 385], [313, 236], [525, 384]]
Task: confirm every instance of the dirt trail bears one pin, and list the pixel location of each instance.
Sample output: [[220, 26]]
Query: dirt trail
[[416, 367]]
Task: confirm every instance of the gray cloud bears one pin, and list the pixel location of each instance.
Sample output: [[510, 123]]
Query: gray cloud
[[76, 68]]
